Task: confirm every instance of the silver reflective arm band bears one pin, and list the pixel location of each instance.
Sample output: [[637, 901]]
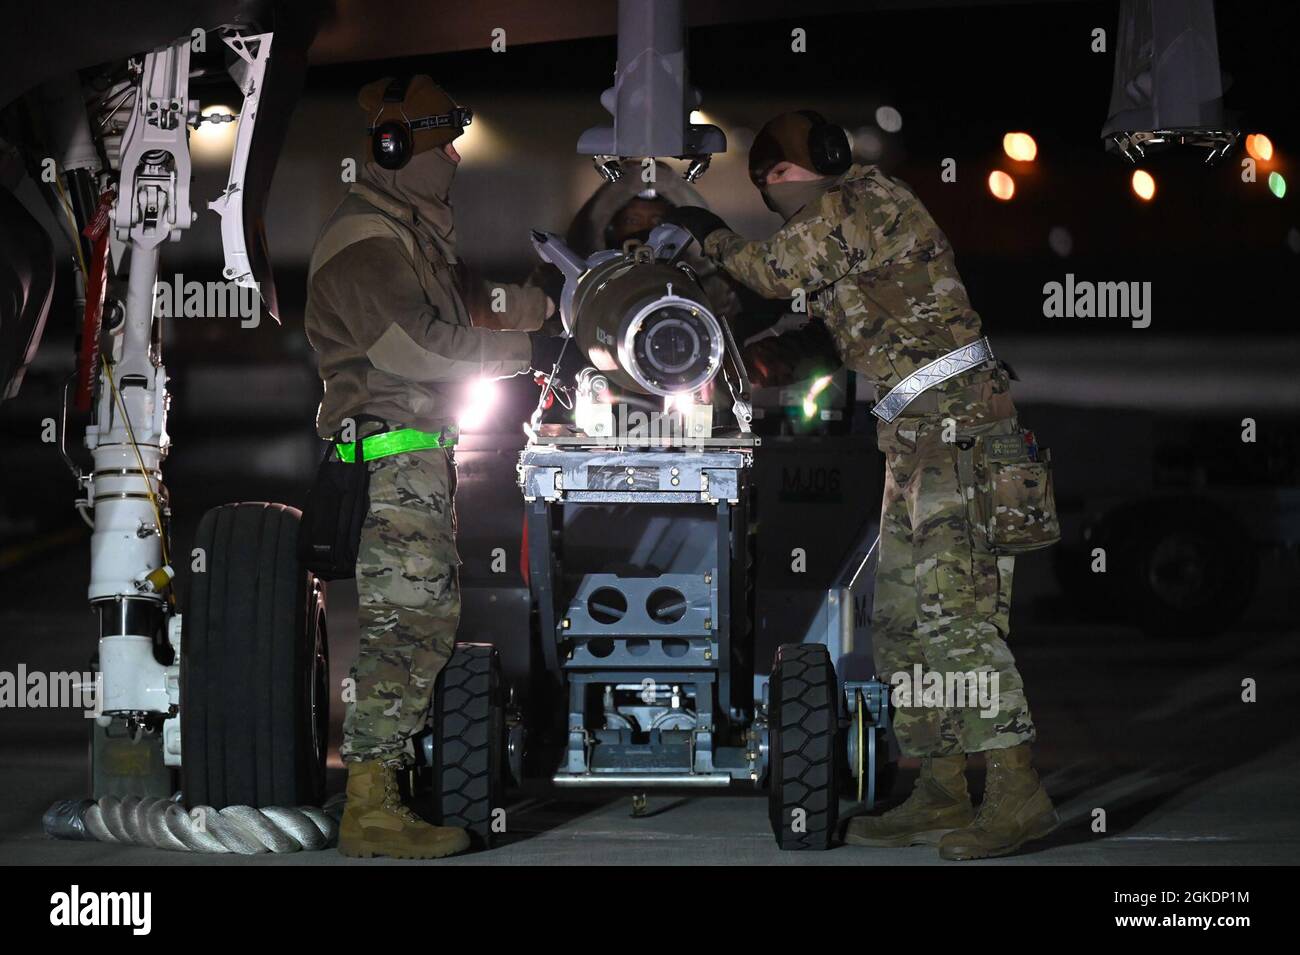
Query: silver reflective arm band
[[927, 376]]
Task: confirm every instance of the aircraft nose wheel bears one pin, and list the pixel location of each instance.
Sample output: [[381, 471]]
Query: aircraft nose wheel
[[254, 665]]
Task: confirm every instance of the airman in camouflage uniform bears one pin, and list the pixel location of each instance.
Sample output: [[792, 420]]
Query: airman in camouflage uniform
[[881, 275], [397, 342]]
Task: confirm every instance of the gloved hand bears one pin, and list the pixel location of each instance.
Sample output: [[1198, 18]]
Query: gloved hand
[[550, 280], [546, 346], [696, 220], [768, 363], [796, 355], [553, 326]]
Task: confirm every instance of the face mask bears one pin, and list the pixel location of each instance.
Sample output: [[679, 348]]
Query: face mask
[[424, 184], [787, 198], [428, 175], [425, 179]]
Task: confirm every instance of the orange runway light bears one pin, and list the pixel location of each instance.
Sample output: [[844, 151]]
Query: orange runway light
[[1144, 185], [1020, 146], [1001, 185], [1260, 147]]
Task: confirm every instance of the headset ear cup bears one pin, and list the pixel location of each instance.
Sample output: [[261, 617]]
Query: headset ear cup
[[390, 145], [830, 150]]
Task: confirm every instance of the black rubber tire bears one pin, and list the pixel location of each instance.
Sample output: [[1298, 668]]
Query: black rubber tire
[[803, 707], [254, 665], [468, 724]]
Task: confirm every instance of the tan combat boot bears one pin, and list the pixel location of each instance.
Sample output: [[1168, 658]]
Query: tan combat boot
[[939, 803], [1015, 809], [377, 823]]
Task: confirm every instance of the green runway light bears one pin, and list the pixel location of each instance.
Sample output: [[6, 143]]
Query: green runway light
[[1277, 184]]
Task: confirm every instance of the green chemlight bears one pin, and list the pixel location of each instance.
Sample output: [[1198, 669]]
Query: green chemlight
[[810, 399], [1277, 184]]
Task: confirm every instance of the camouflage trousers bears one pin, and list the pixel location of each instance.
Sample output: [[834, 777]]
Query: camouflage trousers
[[942, 601], [408, 599]]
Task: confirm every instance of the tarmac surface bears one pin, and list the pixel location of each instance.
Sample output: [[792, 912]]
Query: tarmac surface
[[1155, 733]]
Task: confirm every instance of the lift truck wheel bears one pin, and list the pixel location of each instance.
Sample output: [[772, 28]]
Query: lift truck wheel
[[467, 774], [886, 768], [254, 665], [803, 706]]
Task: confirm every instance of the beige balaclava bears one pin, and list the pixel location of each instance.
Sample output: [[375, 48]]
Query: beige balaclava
[[424, 183]]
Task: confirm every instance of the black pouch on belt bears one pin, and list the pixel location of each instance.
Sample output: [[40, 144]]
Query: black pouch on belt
[[1013, 504], [331, 522]]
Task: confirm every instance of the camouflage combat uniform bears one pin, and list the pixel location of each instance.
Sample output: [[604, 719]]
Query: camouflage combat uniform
[[880, 273], [408, 599], [386, 313]]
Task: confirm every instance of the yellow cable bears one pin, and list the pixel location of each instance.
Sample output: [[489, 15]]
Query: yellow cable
[[72, 218]]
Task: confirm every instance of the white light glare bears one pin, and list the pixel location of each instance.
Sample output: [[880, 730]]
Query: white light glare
[[482, 396]]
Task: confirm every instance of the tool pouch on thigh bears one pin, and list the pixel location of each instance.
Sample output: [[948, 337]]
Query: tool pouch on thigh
[[1007, 480], [331, 522]]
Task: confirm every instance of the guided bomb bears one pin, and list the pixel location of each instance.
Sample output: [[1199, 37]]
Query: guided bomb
[[639, 317]]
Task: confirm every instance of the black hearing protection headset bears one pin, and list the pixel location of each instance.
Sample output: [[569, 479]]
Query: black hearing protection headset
[[828, 145], [390, 141]]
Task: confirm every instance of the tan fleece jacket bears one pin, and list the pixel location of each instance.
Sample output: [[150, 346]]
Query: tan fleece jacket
[[386, 312]]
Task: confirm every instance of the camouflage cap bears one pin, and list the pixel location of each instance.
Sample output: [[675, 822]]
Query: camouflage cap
[[783, 138], [423, 98]]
